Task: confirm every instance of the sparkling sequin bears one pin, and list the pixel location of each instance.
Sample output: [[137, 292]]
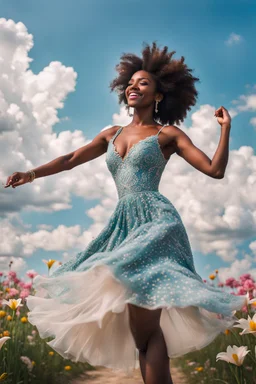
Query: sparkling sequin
[[145, 242], [145, 249]]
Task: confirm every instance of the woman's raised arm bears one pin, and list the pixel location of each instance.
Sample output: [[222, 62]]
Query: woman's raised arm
[[216, 167]]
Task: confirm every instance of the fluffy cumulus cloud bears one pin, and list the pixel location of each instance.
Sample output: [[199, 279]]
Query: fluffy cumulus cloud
[[246, 103], [219, 214]]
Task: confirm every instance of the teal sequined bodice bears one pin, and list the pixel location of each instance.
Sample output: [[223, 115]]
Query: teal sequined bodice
[[141, 169]]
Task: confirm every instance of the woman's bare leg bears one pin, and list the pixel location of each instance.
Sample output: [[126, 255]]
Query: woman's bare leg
[[149, 339]]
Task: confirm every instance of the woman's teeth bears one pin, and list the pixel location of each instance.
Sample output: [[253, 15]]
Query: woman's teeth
[[133, 96]]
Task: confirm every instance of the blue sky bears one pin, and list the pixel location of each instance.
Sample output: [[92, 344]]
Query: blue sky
[[90, 37]]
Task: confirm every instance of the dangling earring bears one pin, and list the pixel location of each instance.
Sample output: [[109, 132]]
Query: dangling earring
[[130, 114], [156, 109]]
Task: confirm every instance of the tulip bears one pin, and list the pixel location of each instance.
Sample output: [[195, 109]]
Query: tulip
[[234, 355], [13, 303], [3, 340], [248, 325], [49, 263]]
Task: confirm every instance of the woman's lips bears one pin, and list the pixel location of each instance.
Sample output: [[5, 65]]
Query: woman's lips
[[134, 96]]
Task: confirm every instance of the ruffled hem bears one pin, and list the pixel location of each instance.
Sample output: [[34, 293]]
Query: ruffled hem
[[87, 315]]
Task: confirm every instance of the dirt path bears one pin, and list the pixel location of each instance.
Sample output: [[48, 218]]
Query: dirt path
[[106, 376]]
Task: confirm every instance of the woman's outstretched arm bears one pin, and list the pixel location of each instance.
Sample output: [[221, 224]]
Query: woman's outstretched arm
[[198, 159], [94, 149]]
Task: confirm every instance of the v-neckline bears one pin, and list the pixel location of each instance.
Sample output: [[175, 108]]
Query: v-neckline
[[134, 145]]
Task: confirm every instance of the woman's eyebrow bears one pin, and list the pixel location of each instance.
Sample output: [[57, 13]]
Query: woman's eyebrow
[[140, 78]]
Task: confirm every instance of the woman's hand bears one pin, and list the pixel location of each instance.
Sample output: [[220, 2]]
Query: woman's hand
[[16, 179], [223, 116]]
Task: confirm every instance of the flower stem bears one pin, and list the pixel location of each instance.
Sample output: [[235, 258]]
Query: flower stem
[[234, 373]]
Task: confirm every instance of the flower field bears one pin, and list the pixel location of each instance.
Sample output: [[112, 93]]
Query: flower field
[[231, 357], [26, 358]]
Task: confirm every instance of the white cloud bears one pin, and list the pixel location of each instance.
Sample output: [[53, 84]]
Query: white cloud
[[233, 39], [19, 265], [218, 214]]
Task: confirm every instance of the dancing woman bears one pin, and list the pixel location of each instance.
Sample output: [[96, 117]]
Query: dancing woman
[[132, 296]]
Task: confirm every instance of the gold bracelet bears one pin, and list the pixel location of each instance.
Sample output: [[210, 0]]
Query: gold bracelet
[[32, 175]]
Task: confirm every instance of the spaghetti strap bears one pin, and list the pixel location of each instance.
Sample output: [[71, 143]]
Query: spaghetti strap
[[160, 130], [117, 133]]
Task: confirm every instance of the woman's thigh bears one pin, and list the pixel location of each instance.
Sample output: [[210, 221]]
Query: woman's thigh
[[143, 323]]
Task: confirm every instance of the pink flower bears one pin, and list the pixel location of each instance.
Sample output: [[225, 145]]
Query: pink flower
[[21, 283], [16, 280], [27, 285], [1, 274], [241, 291], [245, 277], [24, 293], [31, 274], [230, 281], [6, 282], [28, 362], [12, 275], [236, 284], [249, 285], [220, 285], [13, 292]]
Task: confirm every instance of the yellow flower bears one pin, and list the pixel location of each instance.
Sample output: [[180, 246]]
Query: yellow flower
[[6, 333], [227, 332], [199, 369], [67, 368], [51, 353], [216, 271], [9, 317], [1, 335], [212, 276], [3, 376], [24, 319], [7, 289], [33, 362], [2, 314], [13, 303], [49, 263]]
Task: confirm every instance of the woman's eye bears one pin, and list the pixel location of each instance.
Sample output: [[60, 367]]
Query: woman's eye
[[140, 83]]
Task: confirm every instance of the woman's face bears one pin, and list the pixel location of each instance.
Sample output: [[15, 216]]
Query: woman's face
[[141, 90]]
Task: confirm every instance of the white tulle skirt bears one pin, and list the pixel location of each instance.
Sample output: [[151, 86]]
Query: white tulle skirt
[[86, 313]]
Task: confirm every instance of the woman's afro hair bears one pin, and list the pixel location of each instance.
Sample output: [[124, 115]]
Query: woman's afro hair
[[173, 79]]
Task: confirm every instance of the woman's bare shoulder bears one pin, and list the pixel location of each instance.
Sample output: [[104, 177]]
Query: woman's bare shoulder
[[109, 132]]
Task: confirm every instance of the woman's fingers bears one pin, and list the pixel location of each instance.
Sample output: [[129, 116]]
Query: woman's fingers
[[14, 180]]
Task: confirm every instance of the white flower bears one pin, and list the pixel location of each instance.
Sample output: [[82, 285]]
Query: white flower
[[233, 355], [3, 340], [13, 304], [248, 325], [252, 301]]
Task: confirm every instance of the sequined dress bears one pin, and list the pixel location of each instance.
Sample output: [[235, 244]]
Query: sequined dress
[[142, 256]]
